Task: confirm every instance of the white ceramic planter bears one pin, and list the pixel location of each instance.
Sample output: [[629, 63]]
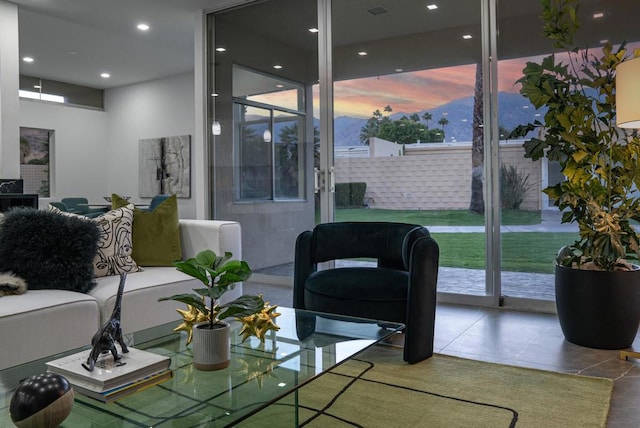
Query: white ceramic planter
[[211, 347]]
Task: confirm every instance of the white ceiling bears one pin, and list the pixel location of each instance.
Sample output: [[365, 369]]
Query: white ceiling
[[74, 41]]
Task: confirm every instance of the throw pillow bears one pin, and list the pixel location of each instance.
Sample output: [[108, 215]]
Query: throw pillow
[[156, 234], [114, 247], [48, 251]]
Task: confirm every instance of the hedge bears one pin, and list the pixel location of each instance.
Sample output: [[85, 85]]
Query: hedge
[[350, 195]]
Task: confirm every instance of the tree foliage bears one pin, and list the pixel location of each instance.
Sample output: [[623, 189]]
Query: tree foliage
[[601, 163], [405, 130]]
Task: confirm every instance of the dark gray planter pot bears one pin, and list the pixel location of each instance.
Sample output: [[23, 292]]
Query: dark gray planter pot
[[598, 309]]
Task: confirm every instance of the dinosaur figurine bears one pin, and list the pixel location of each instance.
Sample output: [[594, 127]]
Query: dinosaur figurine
[[111, 332]]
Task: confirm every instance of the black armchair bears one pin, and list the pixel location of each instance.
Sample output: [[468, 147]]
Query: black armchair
[[402, 288]]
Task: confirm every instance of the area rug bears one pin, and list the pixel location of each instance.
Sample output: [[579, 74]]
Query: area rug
[[376, 389]]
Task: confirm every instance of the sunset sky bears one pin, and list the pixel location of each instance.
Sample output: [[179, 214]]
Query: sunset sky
[[416, 91], [411, 92]]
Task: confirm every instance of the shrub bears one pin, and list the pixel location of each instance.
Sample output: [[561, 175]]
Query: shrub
[[514, 185], [350, 195]]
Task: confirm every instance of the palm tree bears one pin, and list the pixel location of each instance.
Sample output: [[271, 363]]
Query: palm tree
[[427, 117], [477, 147], [388, 109], [443, 121]]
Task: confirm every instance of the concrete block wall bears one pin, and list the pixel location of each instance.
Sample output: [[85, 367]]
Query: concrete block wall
[[434, 177]]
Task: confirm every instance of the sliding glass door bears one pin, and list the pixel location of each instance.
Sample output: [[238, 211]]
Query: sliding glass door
[[359, 110], [262, 74]]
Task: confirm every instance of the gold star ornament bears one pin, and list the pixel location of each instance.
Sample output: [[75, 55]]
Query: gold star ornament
[[190, 317], [258, 324]]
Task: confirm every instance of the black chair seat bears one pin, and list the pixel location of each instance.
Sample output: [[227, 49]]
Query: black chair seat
[[374, 293]]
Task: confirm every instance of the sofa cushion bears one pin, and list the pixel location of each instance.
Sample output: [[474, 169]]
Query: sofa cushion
[[48, 250], [156, 234], [114, 247], [142, 290], [41, 323]]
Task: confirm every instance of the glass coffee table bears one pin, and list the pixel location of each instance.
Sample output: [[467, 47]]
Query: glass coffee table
[[307, 345]]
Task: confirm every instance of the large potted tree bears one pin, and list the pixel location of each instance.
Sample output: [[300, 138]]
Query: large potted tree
[[597, 284]]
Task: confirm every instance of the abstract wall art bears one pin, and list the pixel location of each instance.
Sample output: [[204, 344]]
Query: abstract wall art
[[165, 166]]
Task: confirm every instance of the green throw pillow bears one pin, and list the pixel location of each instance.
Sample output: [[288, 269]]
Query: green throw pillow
[[156, 234]]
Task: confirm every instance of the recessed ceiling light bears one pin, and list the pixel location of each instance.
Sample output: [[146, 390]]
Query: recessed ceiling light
[[37, 86], [467, 36], [221, 49], [399, 70], [432, 6], [279, 85], [28, 59], [598, 15], [277, 66], [362, 53], [214, 94], [105, 75], [313, 30], [71, 52], [603, 41], [143, 27]]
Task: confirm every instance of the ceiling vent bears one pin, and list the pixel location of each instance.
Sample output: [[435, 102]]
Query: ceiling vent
[[377, 10]]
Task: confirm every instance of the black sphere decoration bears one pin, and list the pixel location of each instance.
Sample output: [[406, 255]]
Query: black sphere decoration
[[43, 400]]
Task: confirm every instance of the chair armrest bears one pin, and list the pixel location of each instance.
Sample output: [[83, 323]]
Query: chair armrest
[[421, 301], [303, 267]]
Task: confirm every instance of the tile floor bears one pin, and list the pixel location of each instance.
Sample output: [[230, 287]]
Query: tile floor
[[522, 339]]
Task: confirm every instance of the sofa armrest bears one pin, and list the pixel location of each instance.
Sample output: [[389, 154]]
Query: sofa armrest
[[216, 235]]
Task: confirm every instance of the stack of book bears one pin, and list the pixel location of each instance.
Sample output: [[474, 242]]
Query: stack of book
[[110, 380]]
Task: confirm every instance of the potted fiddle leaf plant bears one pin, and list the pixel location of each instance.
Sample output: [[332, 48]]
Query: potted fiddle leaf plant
[[219, 274], [597, 283]]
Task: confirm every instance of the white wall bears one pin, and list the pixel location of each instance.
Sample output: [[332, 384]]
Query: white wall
[[95, 153], [78, 153], [9, 66], [157, 108]]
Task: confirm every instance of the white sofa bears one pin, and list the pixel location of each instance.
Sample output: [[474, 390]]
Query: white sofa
[[40, 323]]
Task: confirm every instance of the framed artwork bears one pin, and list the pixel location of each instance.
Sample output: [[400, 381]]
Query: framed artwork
[[164, 166]]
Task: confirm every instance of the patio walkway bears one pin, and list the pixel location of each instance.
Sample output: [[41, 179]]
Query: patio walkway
[[472, 281]]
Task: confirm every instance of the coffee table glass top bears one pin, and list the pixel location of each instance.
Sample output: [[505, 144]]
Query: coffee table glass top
[[307, 345]]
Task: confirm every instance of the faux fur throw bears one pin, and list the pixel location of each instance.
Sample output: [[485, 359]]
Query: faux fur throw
[[11, 284]]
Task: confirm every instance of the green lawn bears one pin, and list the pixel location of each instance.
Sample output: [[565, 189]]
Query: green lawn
[[521, 252], [434, 217]]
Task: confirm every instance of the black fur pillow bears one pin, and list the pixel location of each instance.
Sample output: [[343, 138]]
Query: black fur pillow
[[47, 250]]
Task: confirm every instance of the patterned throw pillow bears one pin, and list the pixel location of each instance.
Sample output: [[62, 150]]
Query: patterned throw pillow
[[114, 246]]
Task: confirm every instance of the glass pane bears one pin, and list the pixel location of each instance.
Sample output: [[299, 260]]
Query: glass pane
[[405, 82], [267, 89], [35, 168], [263, 65], [254, 154], [529, 249], [289, 154]]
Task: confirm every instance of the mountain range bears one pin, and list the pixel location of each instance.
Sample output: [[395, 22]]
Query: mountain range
[[513, 110]]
